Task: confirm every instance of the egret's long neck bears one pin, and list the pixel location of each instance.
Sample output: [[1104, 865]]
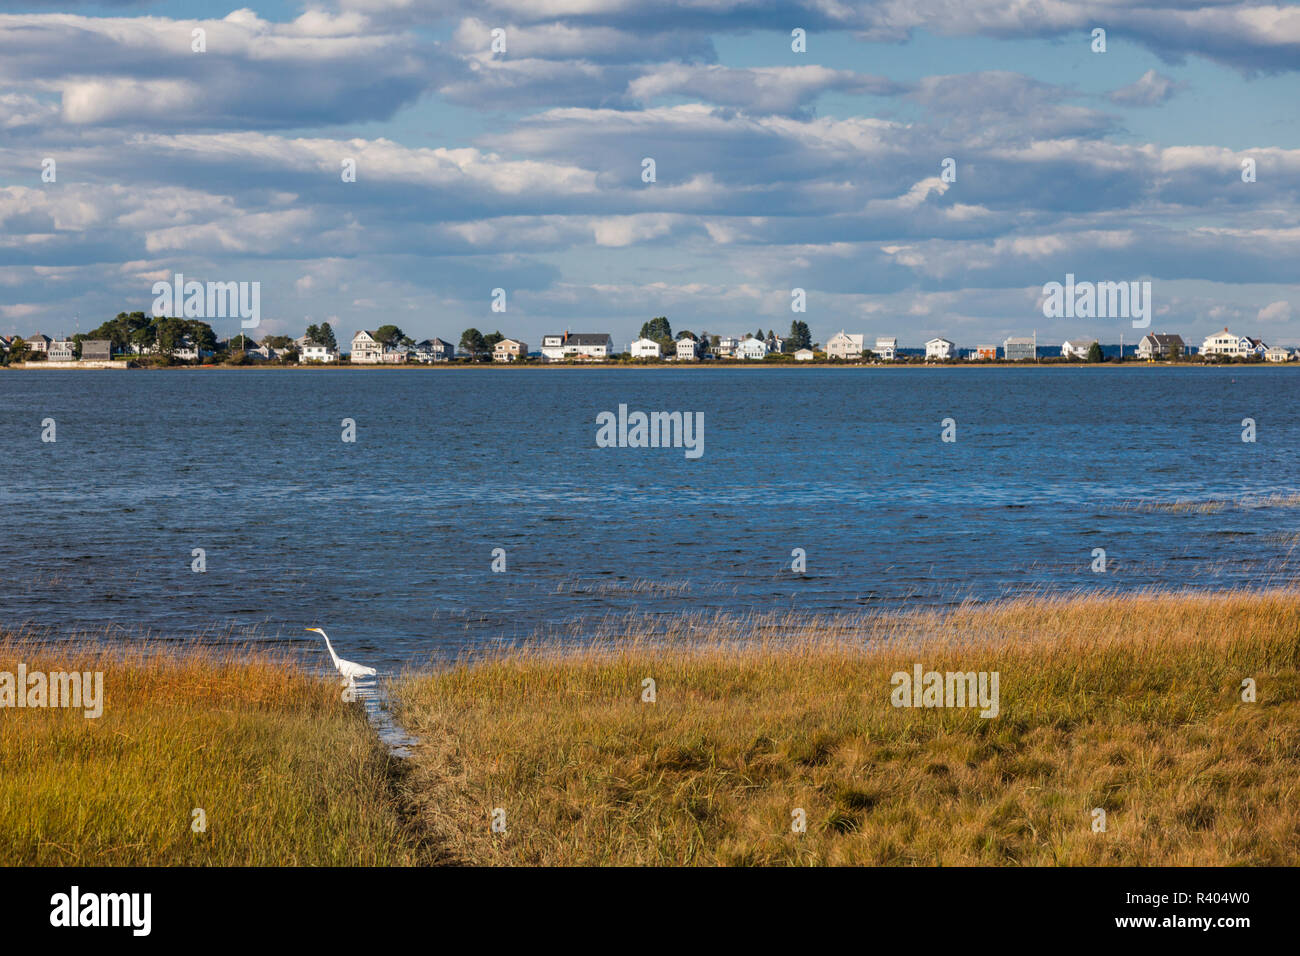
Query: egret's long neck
[[330, 647]]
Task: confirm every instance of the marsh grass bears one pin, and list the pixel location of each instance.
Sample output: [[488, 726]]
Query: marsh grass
[[287, 773], [1127, 703], [1210, 505]]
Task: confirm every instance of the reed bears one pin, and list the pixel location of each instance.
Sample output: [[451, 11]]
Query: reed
[[285, 771], [1131, 704]]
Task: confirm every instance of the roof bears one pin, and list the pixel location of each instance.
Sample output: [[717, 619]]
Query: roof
[[1018, 340], [580, 338], [1164, 338], [932, 341]]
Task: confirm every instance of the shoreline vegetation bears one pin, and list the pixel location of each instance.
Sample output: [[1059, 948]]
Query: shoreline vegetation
[[284, 772], [1132, 705], [716, 364]]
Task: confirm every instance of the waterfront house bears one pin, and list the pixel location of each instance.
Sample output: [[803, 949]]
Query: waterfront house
[[366, 349], [430, 350], [984, 353], [940, 348], [751, 349], [726, 347], [96, 350], [886, 349], [1077, 347], [1019, 348], [1231, 345], [189, 351], [844, 345], [646, 348], [577, 346], [61, 350], [687, 348], [1160, 345], [804, 355], [1276, 354], [38, 343], [509, 350], [315, 352], [774, 342]]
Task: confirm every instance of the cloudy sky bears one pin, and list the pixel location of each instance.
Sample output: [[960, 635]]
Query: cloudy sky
[[774, 169]]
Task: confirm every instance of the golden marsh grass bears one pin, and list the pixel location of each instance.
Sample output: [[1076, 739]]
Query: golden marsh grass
[[1129, 704], [286, 772]]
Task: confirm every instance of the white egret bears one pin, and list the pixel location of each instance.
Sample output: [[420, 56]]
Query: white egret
[[348, 669]]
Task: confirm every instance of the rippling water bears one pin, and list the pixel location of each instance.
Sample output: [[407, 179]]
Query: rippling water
[[387, 542]]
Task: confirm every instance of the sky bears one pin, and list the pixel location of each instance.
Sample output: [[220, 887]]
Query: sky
[[774, 169]]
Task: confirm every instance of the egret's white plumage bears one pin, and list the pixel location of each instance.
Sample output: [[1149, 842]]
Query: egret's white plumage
[[348, 669]]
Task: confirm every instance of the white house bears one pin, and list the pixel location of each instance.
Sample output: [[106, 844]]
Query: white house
[[804, 355], [726, 347], [1158, 345], [1276, 354], [315, 352], [686, 349], [774, 342], [843, 345], [366, 349], [1077, 347], [1230, 344], [940, 349], [646, 348], [61, 350], [886, 349], [577, 346], [751, 348], [38, 343]]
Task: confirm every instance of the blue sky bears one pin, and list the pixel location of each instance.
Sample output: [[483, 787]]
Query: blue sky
[[775, 169]]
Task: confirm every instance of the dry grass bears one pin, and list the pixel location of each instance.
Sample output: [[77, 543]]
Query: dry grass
[[1211, 505], [286, 772], [1131, 704]]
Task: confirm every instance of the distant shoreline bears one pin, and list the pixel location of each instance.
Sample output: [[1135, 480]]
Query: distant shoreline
[[759, 366]]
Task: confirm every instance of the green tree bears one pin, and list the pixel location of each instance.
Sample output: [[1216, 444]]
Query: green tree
[[18, 350], [169, 334], [390, 335], [472, 342], [800, 336], [1094, 353], [659, 329]]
